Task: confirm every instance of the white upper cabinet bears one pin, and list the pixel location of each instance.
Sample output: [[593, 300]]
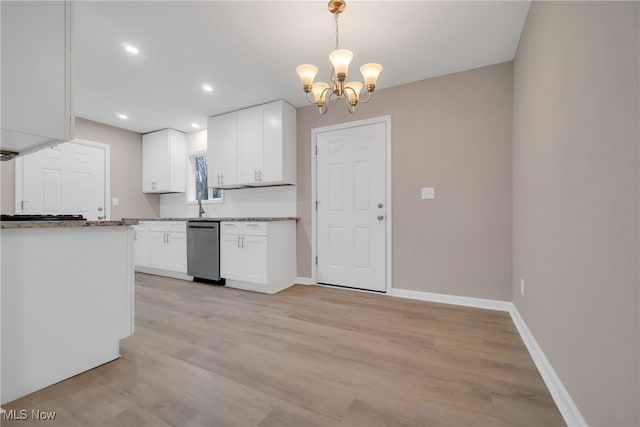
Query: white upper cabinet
[[36, 74], [164, 161], [267, 144], [253, 147], [222, 152]]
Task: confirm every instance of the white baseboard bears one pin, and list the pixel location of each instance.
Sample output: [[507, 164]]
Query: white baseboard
[[489, 304], [304, 281], [164, 273], [559, 393]]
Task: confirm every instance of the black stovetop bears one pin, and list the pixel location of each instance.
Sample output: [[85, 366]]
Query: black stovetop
[[42, 218]]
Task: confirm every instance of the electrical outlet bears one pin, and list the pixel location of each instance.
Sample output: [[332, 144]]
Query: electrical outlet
[[522, 286], [115, 201], [428, 193]]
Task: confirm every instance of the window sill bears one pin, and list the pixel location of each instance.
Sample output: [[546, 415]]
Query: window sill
[[205, 202]]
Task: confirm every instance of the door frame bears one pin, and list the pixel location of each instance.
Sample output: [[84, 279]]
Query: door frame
[[314, 214], [107, 175]]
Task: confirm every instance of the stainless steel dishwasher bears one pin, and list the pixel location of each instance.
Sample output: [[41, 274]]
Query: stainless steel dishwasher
[[203, 250]]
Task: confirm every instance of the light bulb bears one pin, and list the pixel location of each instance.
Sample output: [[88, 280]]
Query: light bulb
[[370, 72], [318, 89], [307, 73], [340, 59], [352, 95]]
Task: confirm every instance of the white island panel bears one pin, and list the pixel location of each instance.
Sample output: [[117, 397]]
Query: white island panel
[[67, 301]]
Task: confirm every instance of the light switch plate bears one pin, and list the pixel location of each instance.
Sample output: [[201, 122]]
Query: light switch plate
[[115, 201], [428, 193]]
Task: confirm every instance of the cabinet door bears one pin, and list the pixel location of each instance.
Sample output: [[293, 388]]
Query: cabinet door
[[176, 248], [163, 161], [150, 156], [250, 141], [222, 134], [36, 73], [158, 254], [255, 258], [175, 173], [272, 167], [231, 256], [140, 247]]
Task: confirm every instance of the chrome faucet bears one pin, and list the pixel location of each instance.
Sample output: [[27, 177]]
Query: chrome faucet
[[200, 208]]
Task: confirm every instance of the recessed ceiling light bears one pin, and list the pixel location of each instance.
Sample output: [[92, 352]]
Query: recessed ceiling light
[[131, 48], [207, 87], [195, 125], [122, 116]]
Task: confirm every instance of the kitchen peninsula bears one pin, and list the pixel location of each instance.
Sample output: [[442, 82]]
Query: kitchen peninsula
[[67, 299]]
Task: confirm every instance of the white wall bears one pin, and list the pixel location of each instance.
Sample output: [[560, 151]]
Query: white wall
[[246, 202]]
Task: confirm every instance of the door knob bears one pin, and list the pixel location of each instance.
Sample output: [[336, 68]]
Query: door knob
[[100, 209], [100, 217], [380, 217], [380, 205]]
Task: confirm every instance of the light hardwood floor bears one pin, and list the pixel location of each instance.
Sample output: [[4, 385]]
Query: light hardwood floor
[[309, 356]]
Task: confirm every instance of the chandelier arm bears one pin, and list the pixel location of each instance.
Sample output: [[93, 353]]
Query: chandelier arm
[[325, 107], [309, 99], [367, 99], [324, 93]]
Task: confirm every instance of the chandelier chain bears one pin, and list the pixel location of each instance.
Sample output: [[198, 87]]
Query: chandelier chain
[[336, 15]]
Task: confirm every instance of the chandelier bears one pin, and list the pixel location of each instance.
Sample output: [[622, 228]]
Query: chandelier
[[340, 58]]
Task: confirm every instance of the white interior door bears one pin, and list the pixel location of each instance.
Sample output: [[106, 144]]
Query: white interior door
[[84, 193], [69, 178], [351, 213], [42, 176]]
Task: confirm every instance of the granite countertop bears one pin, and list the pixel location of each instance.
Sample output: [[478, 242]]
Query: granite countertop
[[50, 224], [252, 219]]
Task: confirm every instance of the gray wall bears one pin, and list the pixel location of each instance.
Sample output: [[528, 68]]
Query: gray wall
[[126, 172], [453, 133], [576, 199], [126, 169]]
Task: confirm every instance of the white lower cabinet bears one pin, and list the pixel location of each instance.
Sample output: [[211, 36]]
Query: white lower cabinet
[[258, 256], [141, 245], [160, 247]]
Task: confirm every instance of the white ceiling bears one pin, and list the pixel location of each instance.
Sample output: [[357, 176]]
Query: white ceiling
[[248, 51]]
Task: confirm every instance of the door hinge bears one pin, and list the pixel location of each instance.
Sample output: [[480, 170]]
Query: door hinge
[[317, 204], [316, 260], [316, 150]]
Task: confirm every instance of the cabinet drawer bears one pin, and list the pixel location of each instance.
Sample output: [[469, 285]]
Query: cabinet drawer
[[141, 227], [168, 226], [232, 227], [255, 228], [245, 228]]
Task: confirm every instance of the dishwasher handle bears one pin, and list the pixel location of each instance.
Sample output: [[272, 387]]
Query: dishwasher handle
[[206, 226]]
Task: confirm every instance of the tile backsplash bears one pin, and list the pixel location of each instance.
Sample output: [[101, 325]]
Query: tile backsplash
[[249, 202]]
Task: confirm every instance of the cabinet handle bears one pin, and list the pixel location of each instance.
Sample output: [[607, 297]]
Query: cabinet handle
[[135, 236], [222, 179], [238, 241], [260, 175], [243, 241], [218, 179], [255, 175]]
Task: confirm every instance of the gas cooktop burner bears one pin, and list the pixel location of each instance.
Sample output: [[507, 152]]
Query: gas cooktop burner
[[42, 218]]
